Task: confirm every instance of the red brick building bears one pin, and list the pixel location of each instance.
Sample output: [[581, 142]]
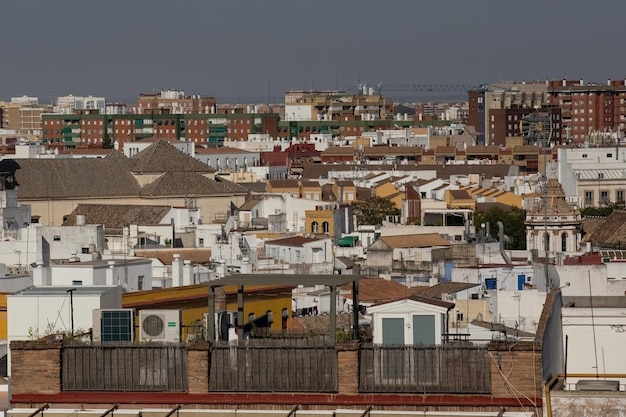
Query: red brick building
[[589, 107]]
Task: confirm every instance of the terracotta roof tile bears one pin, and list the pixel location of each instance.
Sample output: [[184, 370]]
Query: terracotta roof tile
[[74, 178], [415, 241], [115, 216], [379, 290], [166, 256], [190, 184], [163, 157]]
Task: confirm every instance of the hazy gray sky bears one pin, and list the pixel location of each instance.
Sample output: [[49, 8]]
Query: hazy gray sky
[[243, 48]]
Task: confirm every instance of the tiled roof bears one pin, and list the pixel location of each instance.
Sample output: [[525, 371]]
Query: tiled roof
[[115, 216], [284, 183], [445, 149], [427, 300], [611, 232], [254, 187], [166, 256], [437, 291], [250, 203], [592, 223], [483, 150], [40, 179], [459, 194], [379, 290], [488, 205], [190, 184], [215, 150], [292, 241], [338, 151], [163, 157], [415, 241]]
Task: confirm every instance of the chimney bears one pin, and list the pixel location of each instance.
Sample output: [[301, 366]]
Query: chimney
[[109, 273], [177, 271], [187, 272], [38, 272]]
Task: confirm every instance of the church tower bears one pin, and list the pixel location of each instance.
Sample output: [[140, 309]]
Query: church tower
[[553, 224]]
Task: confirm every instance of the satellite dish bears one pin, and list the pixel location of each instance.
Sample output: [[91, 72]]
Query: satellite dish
[[553, 277]]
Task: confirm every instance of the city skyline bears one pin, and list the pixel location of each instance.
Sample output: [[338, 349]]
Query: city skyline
[[255, 51]]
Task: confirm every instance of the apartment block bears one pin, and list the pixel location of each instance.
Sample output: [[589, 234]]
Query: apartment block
[[589, 107]]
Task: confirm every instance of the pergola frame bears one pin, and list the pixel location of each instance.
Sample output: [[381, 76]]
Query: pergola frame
[[309, 280]]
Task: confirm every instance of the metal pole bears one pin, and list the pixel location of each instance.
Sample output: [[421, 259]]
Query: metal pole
[[71, 291], [39, 410]]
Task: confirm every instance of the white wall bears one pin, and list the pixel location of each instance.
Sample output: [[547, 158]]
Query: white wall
[[603, 335], [37, 312], [519, 309], [579, 277], [63, 240]]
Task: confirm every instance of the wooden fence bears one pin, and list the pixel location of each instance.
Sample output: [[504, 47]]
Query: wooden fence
[[424, 369], [124, 367], [277, 367]]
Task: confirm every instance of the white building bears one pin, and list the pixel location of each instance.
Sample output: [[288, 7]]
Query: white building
[[40, 311], [300, 250], [593, 176], [67, 104], [409, 321], [60, 242], [131, 274]]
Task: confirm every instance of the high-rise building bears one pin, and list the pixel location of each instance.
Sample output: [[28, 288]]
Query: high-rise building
[[175, 102], [589, 107]]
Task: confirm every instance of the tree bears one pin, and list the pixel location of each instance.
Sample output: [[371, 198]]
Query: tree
[[107, 143], [373, 210], [513, 220], [603, 211]]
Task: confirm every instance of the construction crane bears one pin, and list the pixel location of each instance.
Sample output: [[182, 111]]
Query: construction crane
[[432, 88]]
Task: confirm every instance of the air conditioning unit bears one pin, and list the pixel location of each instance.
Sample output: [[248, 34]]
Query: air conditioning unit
[[159, 325], [113, 325]]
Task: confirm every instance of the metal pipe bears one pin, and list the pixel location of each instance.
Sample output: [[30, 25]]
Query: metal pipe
[[109, 411], [293, 411], [367, 411], [174, 410], [39, 410]]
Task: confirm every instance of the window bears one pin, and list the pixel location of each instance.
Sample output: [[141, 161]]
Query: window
[[201, 242], [251, 317], [77, 282], [140, 279], [325, 227], [314, 227], [57, 238], [588, 198], [564, 242], [619, 195], [459, 316], [604, 196], [546, 242]]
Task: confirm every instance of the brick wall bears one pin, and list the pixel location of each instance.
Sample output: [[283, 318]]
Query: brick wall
[[198, 368], [35, 367], [514, 371]]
